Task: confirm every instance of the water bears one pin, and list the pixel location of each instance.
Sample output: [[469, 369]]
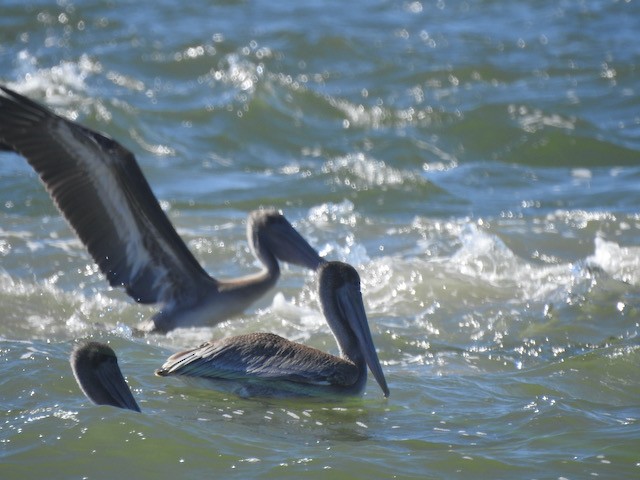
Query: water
[[478, 162]]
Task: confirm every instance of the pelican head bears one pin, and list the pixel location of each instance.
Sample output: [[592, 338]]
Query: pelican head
[[267, 365], [272, 238], [342, 305], [95, 367], [100, 189]]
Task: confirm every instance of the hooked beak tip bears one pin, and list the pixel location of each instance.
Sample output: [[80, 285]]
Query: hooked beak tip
[[385, 389]]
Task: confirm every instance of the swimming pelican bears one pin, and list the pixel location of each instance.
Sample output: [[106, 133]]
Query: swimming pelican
[[101, 191], [267, 365], [95, 367]]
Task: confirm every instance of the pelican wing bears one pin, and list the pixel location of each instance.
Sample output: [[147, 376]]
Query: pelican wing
[[99, 187], [261, 356]]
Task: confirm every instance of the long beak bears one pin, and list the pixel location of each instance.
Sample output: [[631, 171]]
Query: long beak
[[353, 309], [95, 367], [291, 247]]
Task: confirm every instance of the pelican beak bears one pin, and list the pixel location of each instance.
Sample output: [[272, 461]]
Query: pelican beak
[[95, 367], [353, 309], [291, 247]]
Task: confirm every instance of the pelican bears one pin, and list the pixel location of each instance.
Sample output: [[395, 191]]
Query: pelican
[[98, 186], [95, 367], [267, 365]]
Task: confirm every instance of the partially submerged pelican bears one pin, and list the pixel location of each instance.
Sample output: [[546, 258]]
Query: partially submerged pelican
[[258, 364], [267, 365], [101, 191], [95, 367]]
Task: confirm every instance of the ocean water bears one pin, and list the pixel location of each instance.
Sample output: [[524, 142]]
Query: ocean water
[[478, 162]]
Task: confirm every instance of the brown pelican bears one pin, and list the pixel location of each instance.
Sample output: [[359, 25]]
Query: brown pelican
[[95, 367], [99, 188], [267, 365]]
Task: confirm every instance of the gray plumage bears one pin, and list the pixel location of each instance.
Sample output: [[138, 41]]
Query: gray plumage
[[264, 364], [99, 187]]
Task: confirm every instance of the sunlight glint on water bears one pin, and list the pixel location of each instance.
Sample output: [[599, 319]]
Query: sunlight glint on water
[[476, 161]]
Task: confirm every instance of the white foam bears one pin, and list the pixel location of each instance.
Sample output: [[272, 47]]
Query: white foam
[[304, 319], [483, 255], [342, 212], [360, 171], [621, 263], [58, 82]]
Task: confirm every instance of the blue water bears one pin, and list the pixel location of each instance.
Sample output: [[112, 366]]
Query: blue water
[[478, 162]]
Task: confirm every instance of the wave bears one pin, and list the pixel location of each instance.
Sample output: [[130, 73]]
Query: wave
[[519, 134]]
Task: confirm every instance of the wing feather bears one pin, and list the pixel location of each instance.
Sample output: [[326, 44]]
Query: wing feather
[[99, 187], [261, 356]]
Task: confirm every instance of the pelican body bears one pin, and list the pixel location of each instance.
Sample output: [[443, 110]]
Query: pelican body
[[95, 367], [98, 186], [267, 365]]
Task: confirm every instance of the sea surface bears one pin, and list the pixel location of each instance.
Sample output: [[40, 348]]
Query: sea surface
[[477, 161]]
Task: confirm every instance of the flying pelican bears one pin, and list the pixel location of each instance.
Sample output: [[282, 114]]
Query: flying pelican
[[98, 186], [95, 367], [267, 365]]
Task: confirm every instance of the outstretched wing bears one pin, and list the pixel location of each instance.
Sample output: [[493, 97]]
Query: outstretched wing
[[261, 356], [99, 187]]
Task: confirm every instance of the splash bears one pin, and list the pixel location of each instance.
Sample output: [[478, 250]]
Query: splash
[[621, 263], [58, 82], [348, 249], [360, 172]]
